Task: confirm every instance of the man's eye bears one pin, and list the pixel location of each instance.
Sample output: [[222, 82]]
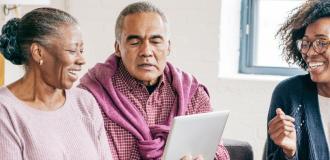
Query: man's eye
[[134, 42], [157, 40]]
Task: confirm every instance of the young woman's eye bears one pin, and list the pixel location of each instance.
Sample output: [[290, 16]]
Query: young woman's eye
[[323, 43], [305, 44]]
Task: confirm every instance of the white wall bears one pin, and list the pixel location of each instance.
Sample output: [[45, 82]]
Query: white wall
[[13, 72], [195, 27]]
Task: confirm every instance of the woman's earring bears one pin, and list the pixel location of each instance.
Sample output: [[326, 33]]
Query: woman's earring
[[41, 62]]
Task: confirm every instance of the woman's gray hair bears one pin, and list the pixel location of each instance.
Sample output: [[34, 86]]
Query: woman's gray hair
[[37, 26], [138, 7]]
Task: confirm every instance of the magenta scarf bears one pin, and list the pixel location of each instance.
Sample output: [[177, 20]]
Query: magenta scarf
[[151, 139]]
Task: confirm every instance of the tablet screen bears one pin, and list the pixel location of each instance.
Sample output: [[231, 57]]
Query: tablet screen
[[197, 134]]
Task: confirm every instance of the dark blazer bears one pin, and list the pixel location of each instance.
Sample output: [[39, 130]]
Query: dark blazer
[[297, 96]]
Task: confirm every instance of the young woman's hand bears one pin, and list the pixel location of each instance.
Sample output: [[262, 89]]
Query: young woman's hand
[[282, 131]]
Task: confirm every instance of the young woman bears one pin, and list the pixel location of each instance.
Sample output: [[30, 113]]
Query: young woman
[[299, 114]]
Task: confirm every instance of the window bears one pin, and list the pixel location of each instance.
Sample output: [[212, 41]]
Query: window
[[259, 49]]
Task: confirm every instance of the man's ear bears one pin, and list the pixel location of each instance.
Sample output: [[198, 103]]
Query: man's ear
[[36, 52], [169, 47], [117, 50]]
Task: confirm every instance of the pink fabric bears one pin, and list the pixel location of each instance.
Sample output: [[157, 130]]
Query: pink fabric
[[154, 109], [73, 132], [120, 110]]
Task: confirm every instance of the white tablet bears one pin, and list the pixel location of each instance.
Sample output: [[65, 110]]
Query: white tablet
[[197, 134]]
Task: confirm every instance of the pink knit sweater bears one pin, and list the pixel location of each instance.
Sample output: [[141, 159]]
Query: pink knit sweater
[[73, 132]]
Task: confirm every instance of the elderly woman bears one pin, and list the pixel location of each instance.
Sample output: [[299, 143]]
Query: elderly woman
[[40, 116], [299, 115]]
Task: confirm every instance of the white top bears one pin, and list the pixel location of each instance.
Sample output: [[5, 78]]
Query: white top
[[73, 132], [324, 103]]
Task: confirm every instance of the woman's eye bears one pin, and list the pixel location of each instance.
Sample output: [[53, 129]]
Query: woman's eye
[[71, 51], [323, 43], [304, 44]]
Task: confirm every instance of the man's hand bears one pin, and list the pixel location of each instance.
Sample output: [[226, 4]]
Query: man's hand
[[282, 131], [189, 157]]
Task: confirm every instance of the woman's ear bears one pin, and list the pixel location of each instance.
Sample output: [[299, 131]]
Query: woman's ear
[[36, 52], [117, 50]]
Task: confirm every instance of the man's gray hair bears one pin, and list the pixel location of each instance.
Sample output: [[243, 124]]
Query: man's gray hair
[[138, 7]]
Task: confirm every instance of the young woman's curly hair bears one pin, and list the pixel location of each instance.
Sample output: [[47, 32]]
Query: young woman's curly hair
[[294, 28]]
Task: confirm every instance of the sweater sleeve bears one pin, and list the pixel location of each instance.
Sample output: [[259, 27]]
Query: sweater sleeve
[[273, 151], [103, 145], [200, 103], [9, 141], [104, 149]]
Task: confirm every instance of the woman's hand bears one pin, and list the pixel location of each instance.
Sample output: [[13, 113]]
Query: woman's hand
[[282, 131], [189, 157]]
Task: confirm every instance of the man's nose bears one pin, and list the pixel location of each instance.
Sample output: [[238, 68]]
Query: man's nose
[[146, 49]]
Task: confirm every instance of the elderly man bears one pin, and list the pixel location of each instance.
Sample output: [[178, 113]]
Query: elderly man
[[138, 91]]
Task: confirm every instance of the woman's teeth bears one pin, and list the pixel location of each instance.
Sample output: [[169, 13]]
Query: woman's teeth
[[74, 73], [315, 64]]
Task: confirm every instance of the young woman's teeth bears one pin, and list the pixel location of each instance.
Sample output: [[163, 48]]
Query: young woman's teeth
[[315, 64]]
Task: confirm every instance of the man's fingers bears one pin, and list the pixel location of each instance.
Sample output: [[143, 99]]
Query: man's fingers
[[189, 157], [199, 157], [186, 157]]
